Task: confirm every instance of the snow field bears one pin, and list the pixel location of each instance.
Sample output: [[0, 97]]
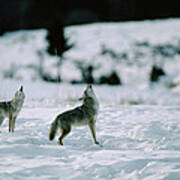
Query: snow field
[[139, 142]]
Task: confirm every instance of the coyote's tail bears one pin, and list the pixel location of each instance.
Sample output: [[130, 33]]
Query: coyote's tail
[[53, 130]]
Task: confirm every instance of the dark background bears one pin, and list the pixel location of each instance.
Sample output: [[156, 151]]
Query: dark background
[[30, 14]]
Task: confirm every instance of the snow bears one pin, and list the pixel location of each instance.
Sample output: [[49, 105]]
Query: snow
[[90, 40], [138, 141], [138, 123], [107, 47]]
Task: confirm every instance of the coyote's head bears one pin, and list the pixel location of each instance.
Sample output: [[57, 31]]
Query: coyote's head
[[88, 93], [19, 95]]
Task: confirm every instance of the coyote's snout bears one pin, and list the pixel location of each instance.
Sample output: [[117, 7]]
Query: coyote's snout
[[85, 114]]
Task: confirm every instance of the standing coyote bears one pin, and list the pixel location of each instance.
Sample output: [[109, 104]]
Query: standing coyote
[[11, 109], [85, 114]]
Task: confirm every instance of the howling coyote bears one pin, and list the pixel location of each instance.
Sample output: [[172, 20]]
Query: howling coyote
[[85, 114], [11, 109]]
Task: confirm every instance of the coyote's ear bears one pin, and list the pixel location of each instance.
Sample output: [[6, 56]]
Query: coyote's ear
[[21, 89]]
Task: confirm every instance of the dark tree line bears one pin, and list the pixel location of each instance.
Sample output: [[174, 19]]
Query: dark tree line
[[28, 14]]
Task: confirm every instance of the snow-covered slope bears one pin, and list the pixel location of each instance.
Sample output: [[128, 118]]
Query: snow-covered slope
[[128, 49]]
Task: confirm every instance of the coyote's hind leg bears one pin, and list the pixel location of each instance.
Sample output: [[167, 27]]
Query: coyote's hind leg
[[64, 133]]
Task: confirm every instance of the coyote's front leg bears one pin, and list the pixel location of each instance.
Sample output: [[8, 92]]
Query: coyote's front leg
[[1, 120], [93, 132], [10, 121], [13, 121]]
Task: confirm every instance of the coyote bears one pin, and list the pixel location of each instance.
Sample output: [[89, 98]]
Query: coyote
[[85, 114], [11, 109]]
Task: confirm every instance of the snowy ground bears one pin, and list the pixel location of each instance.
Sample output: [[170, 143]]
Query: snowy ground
[[139, 141]]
